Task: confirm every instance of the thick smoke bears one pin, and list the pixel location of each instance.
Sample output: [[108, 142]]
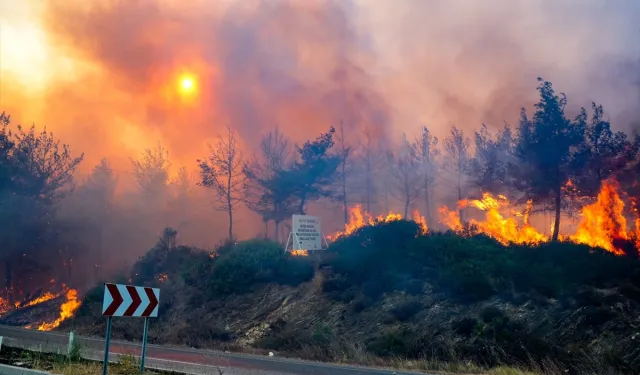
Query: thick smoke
[[257, 65], [468, 62], [303, 65]]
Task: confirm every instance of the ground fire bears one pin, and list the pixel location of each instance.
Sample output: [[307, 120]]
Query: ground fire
[[66, 309], [360, 218], [602, 224]]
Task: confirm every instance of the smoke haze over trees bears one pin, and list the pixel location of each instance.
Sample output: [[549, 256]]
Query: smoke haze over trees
[[282, 74]]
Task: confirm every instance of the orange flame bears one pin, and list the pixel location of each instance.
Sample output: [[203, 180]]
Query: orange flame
[[47, 296], [360, 218], [4, 306], [495, 225], [603, 222], [162, 277], [66, 311], [299, 253]]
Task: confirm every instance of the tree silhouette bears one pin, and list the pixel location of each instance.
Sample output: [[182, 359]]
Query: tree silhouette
[[344, 152], [36, 172], [601, 154], [222, 172], [407, 179], [545, 149], [152, 171], [456, 147], [315, 171], [427, 153], [266, 191], [489, 167]]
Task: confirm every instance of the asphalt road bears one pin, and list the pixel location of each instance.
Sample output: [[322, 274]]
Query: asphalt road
[[181, 359]]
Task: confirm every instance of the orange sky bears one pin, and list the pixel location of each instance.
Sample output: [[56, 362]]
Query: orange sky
[[105, 75]]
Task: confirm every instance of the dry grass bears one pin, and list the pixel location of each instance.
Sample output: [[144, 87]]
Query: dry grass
[[128, 365]]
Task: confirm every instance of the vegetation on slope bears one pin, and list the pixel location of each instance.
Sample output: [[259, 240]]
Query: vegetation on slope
[[389, 291]]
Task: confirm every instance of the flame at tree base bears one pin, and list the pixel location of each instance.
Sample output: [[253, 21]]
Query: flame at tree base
[[603, 223], [299, 253], [66, 311], [359, 218]]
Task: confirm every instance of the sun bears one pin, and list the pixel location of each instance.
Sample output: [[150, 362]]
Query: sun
[[186, 84]]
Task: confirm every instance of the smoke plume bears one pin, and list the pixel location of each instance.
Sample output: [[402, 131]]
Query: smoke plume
[[304, 65]]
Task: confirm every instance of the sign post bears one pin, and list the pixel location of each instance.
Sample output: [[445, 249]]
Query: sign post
[[305, 234], [129, 301]]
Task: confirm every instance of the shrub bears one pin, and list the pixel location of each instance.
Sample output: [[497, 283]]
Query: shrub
[[465, 326], [253, 262], [491, 313], [392, 256], [406, 310]]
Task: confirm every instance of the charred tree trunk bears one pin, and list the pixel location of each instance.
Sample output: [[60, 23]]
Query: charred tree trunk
[[303, 200], [558, 203], [406, 207], [461, 211], [345, 209], [368, 183], [230, 203], [427, 201], [266, 228], [8, 282]]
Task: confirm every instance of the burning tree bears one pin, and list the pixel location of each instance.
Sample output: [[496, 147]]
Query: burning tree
[[601, 154], [222, 172], [545, 149]]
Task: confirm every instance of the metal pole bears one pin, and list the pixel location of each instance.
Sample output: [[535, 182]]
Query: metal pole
[[144, 345], [71, 339], [105, 364]]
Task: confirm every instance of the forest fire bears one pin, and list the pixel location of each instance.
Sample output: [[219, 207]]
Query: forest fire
[[47, 296], [299, 253], [360, 218], [67, 310], [495, 225], [603, 223], [4, 306]]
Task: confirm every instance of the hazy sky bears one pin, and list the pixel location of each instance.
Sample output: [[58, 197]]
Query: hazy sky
[[104, 74]]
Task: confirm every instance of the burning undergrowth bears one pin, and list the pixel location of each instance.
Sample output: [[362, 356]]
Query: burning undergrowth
[[493, 290], [44, 311], [395, 289]]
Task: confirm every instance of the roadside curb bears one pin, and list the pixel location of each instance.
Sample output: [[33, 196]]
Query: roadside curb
[[13, 370]]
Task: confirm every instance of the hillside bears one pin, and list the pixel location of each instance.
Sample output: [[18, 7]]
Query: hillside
[[389, 291]]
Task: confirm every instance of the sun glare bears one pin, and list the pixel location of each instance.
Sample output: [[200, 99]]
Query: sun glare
[[186, 84]]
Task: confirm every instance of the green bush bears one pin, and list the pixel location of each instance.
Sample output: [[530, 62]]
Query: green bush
[[253, 262], [394, 257], [406, 309]]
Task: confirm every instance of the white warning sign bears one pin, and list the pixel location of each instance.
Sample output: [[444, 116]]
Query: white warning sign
[[307, 234]]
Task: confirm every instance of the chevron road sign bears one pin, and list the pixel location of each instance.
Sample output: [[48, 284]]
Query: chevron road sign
[[130, 301]]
